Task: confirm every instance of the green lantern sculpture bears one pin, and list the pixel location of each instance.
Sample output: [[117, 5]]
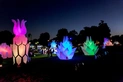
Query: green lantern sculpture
[[89, 47]]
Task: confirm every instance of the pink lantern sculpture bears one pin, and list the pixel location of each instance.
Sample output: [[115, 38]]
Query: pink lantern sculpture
[[107, 42], [20, 46], [5, 51]]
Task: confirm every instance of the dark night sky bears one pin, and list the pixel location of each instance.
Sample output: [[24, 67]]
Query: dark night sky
[[51, 15]]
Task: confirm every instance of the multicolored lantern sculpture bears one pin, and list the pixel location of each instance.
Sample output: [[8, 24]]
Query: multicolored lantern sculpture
[[20, 47], [5, 51], [107, 42], [53, 46], [65, 50], [89, 47]]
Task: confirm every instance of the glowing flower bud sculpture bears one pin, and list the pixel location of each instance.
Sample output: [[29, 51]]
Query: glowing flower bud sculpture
[[20, 47], [5, 51], [65, 50], [53, 46], [89, 47], [107, 42]]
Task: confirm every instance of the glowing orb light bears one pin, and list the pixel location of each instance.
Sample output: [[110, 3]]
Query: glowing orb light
[[89, 47], [53, 46], [20, 47], [5, 51], [65, 50]]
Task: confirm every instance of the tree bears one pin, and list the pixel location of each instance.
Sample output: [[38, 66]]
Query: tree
[[96, 32], [91, 31], [34, 41], [6, 36], [121, 39], [104, 31], [30, 36], [47, 36], [81, 36], [44, 38], [116, 38], [87, 31], [73, 36], [61, 33], [73, 32]]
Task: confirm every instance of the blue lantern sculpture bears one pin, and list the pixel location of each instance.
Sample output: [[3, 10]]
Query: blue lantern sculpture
[[53, 46], [65, 50]]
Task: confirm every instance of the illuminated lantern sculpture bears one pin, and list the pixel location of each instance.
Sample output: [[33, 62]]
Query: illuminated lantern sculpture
[[5, 51], [20, 47], [65, 50], [53, 46], [107, 42], [89, 47]]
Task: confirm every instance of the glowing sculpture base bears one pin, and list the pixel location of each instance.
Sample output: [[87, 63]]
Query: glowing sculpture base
[[20, 53]]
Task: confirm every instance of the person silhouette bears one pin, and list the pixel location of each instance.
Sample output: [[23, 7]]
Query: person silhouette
[[51, 52]]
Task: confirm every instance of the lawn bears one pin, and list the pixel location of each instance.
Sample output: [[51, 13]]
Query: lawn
[[9, 61], [46, 70], [38, 55]]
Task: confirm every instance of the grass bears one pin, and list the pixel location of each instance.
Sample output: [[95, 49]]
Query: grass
[[9, 61], [38, 55]]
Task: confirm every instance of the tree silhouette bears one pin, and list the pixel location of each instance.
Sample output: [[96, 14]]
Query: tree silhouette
[[104, 30], [96, 32], [6, 36], [121, 39], [34, 41], [81, 36], [44, 38], [116, 38], [73, 32], [61, 33], [73, 36], [101, 22], [88, 31], [29, 36]]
